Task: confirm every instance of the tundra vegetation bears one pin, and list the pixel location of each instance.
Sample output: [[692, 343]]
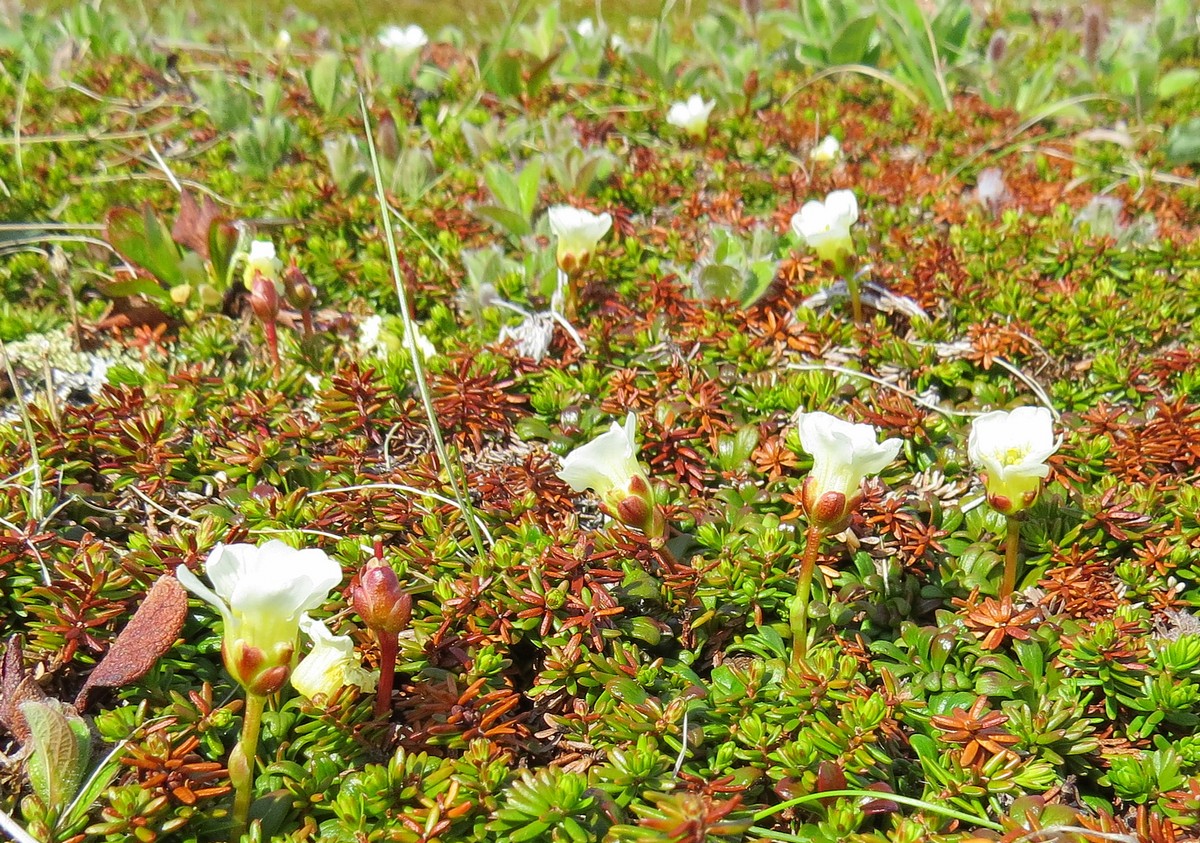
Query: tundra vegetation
[[774, 422]]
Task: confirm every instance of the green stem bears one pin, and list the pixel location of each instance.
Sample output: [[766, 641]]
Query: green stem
[[799, 609], [387, 671], [1012, 550], [855, 298], [241, 762]]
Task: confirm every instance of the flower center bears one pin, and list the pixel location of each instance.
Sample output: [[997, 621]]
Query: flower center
[[1014, 455]]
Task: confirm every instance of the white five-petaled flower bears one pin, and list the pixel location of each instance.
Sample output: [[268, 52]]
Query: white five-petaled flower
[[261, 593], [261, 260], [1011, 448], [578, 232], [330, 665], [825, 226], [608, 465], [843, 455], [691, 115], [827, 150], [403, 40]]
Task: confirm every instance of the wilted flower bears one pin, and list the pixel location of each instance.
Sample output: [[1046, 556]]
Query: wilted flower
[[691, 115], [843, 455], [1011, 448], [403, 40], [825, 226], [261, 260], [608, 465], [330, 665], [827, 150], [578, 231], [261, 593]]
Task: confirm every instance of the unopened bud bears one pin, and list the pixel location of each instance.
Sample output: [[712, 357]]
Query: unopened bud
[[829, 510], [264, 298], [300, 293], [380, 601]]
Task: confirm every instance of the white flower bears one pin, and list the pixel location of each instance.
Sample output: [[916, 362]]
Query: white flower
[[261, 260], [578, 231], [827, 150], [403, 40], [261, 593], [585, 29], [843, 455], [691, 115], [330, 665], [283, 40], [1012, 448], [608, 465], [825, 226], [424, 346]]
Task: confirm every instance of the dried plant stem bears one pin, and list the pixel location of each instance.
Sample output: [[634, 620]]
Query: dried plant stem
[[454, 472], [1012, 550], [388, 647], [799, 608], [241, 762]]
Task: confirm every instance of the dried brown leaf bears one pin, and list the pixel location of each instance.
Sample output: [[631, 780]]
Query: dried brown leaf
[[16, 686], [148, 635]]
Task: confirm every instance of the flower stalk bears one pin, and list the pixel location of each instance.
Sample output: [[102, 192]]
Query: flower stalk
[[799, 609], [241, 762], [1012, 551]]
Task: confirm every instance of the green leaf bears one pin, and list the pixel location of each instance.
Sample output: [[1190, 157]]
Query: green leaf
[[853, 43], [510, 221], [1177, 80], [1183, 143], [324, 81], [137, 286], [145, 241], [528, 184], [222, 246], [61, 750]]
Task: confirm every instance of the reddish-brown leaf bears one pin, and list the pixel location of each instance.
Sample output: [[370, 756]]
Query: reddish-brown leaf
[[148, 635], [16, 687]]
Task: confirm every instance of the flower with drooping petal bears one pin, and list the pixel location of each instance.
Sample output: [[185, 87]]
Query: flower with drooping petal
[[330, 665], [1011, 448], [843, 455], [578, 232], [825, 226], [608, 465], [691, 115], [403, 40], [261, 260], [827, 150], [261, 592]]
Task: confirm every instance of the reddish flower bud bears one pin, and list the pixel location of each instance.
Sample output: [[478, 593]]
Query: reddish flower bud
[[380, 601], [300, 293], [264, 298]]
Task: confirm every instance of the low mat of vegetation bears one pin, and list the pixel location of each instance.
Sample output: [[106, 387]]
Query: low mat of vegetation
[[583, 560]]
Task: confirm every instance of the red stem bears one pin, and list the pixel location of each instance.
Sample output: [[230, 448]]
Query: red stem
[[388, 647]]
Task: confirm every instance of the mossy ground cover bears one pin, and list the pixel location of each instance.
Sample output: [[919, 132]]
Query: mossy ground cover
[[1028, 204]]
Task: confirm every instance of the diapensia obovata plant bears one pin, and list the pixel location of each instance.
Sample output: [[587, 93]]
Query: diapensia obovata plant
[[844, 454], [1011, 449], [261, 593]]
